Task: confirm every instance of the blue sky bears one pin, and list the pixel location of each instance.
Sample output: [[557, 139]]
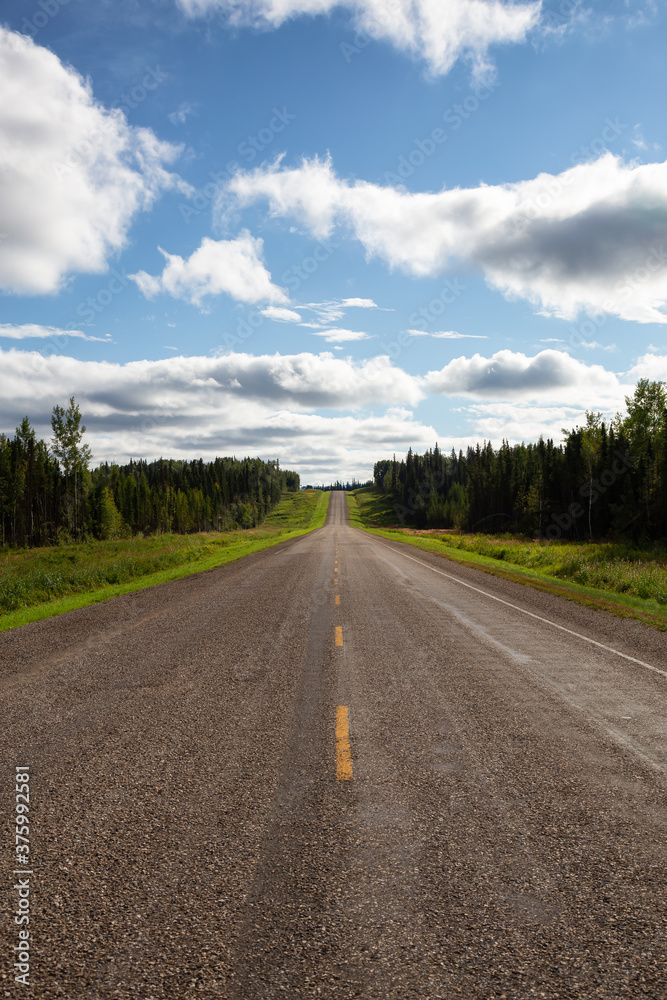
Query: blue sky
[[328, 232]]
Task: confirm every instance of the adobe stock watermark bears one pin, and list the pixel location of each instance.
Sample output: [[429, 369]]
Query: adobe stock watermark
[[612, 130], [22, 871], [433, 310], [46, 11], [87, 311], [80, 152], [562, 16], [532, 209], [655, 260], [134, 438], [454, 117], [393, 348], [294, 277], [249, 148], [591, 491], [419, 498], [362, 39]]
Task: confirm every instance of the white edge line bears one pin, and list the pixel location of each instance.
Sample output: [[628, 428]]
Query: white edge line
[[546, 621]]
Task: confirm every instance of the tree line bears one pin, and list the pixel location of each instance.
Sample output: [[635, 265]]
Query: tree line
[[48, 494], [607, 479]]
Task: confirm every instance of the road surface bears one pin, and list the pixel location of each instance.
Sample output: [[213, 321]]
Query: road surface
[[339, 768]]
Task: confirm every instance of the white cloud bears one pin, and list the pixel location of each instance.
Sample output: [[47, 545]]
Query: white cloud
[[437, 32], [234, 267], [448, 335], [594, 345], [301, 380], [547, 376], [281, 315], [358, 304], [341, 336], [73, 174], [241, 404], [34, 331], [592, 238], [518, 421], [652, 365], [334, 309], [233, 404], [182, 113]]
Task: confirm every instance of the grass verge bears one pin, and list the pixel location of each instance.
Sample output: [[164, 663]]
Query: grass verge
[[613, 577], [40, 583]]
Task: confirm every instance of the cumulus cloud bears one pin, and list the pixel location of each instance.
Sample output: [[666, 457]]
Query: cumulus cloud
[[437, 33], [233, 267], [73, 174], [300, 380], [593, 238], [550, 375], [651, 365], [518, 421], [265, 405], [34, 331], [233, 404]]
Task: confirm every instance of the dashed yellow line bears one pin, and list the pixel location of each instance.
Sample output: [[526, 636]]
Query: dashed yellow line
[[343, 747], [339, 635], [337, 598]]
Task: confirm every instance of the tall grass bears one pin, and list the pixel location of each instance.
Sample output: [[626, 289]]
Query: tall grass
[[616, 566], [30, 577]]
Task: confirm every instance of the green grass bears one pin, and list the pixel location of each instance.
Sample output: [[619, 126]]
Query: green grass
[[611, 576], [40, 583], [376, 510], [354, 511], [613, 566]]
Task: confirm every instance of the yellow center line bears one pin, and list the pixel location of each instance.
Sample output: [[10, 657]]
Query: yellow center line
[[339, 635], [343, 748], [337, 598]]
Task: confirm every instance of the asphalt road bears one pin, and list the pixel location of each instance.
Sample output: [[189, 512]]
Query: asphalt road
[[338, 768]]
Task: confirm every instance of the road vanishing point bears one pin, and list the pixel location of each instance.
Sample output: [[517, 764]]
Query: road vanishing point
[[341, 767]]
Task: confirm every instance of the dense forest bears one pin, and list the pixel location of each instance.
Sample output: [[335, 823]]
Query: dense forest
[[605, 480], [48, 494]]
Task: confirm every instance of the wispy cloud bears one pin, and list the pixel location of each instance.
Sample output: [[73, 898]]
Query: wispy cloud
[[341, 336], [448, 335], [334, 310], [34, 331], [281, 314], [182, 113]]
